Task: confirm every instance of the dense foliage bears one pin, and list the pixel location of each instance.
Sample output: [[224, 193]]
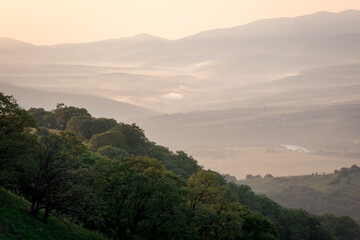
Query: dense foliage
[[85, 126], [15, 134], [127, 187]]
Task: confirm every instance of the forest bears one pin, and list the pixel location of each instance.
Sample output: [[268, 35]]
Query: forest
[[110, 179]]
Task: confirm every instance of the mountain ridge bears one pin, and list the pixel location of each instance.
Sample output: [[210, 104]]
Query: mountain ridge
[[30, 97], [146, 36], [204, 73]]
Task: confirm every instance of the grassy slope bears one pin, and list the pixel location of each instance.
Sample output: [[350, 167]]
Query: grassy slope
[[318, 194], [15, 223]]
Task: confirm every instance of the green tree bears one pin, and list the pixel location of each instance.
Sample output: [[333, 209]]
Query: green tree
[[112, 152], [50, 173], [15, 136], [140, 199], [63, 114], [218, 215], [290, 223], [86, 126], [341, 227], [109, 138], [135, 138], [179, 162], [43, 118]]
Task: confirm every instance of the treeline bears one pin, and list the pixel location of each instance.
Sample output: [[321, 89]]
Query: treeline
[[106, 137], [109, 178]]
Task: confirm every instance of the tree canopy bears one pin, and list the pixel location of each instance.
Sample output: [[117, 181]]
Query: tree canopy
[[15, 136]]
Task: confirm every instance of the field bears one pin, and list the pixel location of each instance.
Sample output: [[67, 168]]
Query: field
[[275, 160]]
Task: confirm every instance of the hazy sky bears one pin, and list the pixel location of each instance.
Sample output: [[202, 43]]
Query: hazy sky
[[58, 21]]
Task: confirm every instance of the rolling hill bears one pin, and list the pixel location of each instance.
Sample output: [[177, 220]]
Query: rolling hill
[[318, 193], [97, 106], [200, 72]]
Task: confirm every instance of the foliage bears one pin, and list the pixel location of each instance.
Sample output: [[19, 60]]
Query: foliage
[[44, 118], [49, 173], [125, 140], [218, 215], [140, 199], [63, 114], [341, 227], [180, 162], [57, 118], [85, 126], [15, 136], [112, 152], [290, 223], [109, 138], [135, 139]]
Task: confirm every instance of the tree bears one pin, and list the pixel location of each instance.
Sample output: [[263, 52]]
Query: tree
[[179, 162], [15, 136], [109, 138], [112, 152], [218, 215], [185, 164], [249, 176], [43, 118], [131, 138], [341, 227], [63, 114], [135, 138], [214, 214], [290, 223], [52, 167], [86, 126], [140, 199]]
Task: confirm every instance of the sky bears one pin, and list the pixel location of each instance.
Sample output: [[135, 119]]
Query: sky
[[47, 22]]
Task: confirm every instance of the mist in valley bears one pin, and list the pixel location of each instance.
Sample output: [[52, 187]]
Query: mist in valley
[[230, 97], [180, 119]]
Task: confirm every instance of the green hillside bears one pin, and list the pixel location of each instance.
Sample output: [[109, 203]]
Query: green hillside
[[109, 178], [15, 223], [319, 194]]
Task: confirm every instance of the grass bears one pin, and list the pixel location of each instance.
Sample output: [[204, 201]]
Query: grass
[[15, 223]]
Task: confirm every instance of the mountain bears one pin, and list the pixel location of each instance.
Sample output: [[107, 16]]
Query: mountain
[[203, 71], [324, 85], [97, 106], [9, 44], [321, 23]]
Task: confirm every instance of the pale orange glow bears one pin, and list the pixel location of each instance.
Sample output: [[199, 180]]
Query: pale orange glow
[[58, 21]]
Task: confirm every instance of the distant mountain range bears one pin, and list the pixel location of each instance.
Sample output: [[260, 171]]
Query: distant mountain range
[[270, 82], [97, 106], [205, 71]]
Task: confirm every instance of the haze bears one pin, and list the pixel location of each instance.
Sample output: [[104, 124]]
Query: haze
[[233, 97], [98, 94], [50, 22]]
